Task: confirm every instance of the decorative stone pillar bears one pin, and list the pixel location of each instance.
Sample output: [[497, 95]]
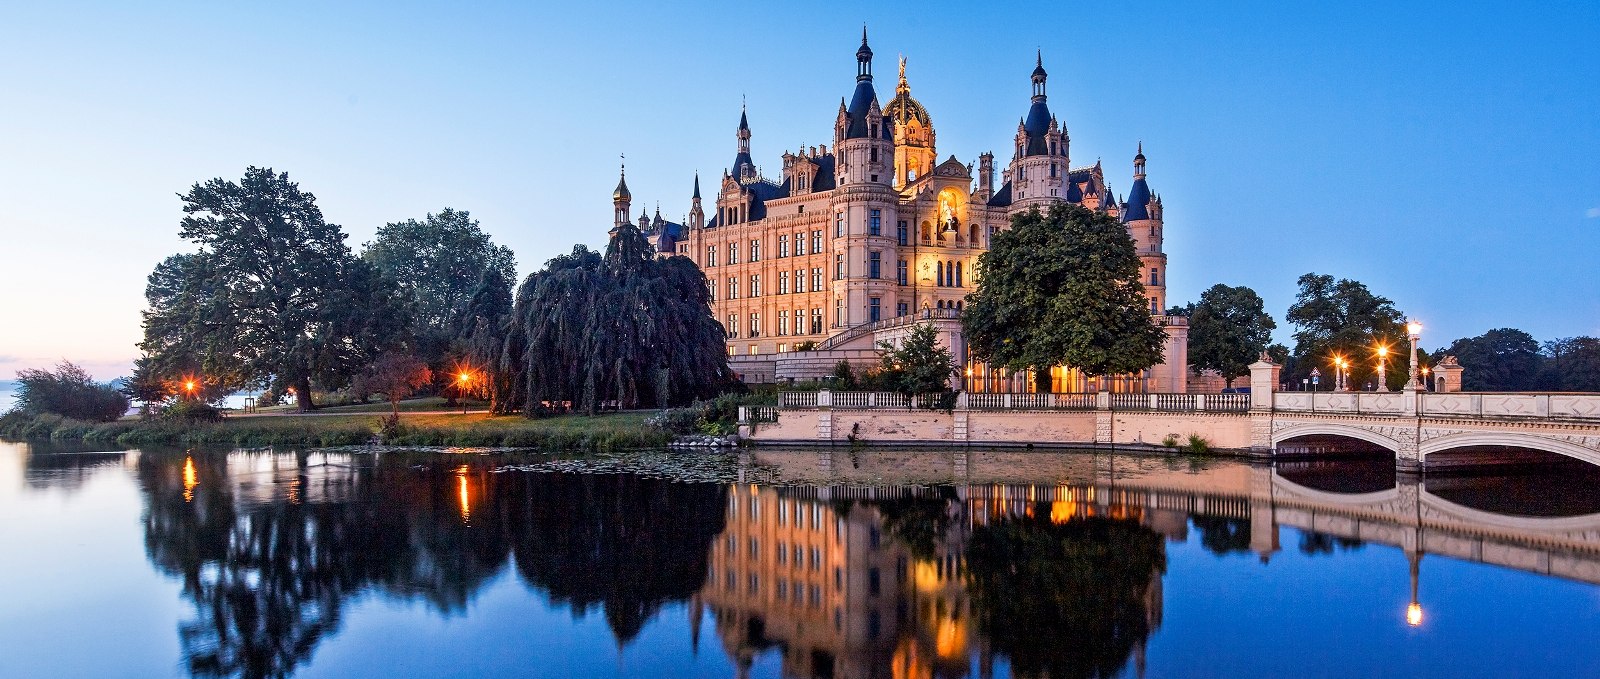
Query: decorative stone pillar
[[1263, 381]]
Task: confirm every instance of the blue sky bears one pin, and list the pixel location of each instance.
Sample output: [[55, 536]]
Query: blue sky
[[1444, 154]]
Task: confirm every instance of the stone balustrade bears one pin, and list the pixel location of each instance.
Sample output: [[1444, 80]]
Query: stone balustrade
[[1456, 404], [883, 400]]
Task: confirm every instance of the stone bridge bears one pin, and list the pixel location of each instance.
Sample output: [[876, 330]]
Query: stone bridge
[[1422, 430]]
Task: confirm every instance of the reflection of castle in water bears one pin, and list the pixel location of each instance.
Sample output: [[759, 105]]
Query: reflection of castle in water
[[879, 582]]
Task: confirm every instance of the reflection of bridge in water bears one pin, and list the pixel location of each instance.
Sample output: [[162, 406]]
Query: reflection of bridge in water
[[1361, 500]]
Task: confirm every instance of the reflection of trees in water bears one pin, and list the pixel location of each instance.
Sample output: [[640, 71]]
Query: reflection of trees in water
[[268, 576], [625, 543], [1065, 599], [919, 522], [1313, 542], [1221, 535]]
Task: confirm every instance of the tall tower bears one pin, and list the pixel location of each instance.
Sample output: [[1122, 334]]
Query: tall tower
[[864, 213], [1038, 171], [1142, 215], [620, 199], [914, 154]]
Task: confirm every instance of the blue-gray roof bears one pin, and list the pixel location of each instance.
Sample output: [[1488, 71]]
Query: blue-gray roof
[[1002, 197], [1138, 203]]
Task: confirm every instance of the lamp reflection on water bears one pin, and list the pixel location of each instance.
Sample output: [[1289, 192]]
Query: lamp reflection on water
[[466, 510], [190, 479]]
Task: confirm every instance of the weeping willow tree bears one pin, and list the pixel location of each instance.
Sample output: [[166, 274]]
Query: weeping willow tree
[[626, 326]]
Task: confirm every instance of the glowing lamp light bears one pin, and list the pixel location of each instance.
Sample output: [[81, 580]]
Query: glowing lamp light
[[1383, 351], [1414, 327], [1414, 614], [463, 377], [188, 386]]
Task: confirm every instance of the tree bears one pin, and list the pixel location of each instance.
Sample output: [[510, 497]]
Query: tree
[[1228, 330], [919, 365], [273, 293], [629, 327], [1571, 364], [438, 264], [1503, 359], [396, 375], [483, 333], [146, 384], [1344, 318], [69, 392], [1062, 289]]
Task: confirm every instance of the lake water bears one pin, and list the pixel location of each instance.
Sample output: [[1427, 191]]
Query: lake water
[[8, 393], [171, 563]]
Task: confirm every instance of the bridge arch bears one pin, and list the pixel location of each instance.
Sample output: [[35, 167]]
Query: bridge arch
[[1334, 429], [1509, 439]]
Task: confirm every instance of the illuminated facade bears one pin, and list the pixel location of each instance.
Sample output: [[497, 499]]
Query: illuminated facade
[[850, 244]]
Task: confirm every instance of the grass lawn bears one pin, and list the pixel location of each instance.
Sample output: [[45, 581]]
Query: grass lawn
[[569, 432]]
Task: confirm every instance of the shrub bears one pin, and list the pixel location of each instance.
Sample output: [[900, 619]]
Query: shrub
[[191, 411], [69, 392], [1171, 441], [1198, 444]]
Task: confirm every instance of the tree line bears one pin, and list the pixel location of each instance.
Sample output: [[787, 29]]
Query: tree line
[[273, 298]]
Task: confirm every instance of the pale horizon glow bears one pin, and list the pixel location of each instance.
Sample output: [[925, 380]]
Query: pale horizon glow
[[1443, 155]]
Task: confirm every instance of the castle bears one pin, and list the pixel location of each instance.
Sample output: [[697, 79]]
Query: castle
[[853, 244]]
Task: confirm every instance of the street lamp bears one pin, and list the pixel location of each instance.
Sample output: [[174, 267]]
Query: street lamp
[[462, 380], [188, 388], [1414, 332], [1383, 360]]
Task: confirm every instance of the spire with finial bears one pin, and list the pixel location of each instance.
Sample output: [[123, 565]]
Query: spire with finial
[[1138, 162], [621, 197], [864, 57], [696, 185], [1039, 75]]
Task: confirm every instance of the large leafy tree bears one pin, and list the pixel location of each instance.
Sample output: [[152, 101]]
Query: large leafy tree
[[437, 264], [483, 329], [1571, 364], [627, 326], [1062, 288], [1342, 317], [918, 365], [1228, 330], [273, 294], [1503, 359]]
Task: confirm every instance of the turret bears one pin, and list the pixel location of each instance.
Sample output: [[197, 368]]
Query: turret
[[620, 199], [1038, 171], [985, 177], [744, 169], [1142, 215], [863, 141], [697, 214]]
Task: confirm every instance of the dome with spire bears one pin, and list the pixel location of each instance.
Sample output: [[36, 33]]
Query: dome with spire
[[622, 194], [903, 108]]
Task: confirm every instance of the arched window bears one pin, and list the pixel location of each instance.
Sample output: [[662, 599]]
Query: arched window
[[940, 279], [972, 235], [959, 280], [927, 231]]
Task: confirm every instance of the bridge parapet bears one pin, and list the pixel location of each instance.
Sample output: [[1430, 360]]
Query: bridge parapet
[[1492, 406]]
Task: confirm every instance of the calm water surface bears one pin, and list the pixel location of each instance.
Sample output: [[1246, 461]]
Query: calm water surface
[[158, 563]]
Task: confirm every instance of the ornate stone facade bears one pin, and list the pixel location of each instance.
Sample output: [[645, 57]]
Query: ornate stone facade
[[876, 228]]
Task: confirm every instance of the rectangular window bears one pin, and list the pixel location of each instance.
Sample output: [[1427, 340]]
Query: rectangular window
[[753, 350], [755, 251], [874, 265], [900, 272], [732, 328], [733, 288], [711, 255], [755, 285], [900, 308], [816, 279], [874, 308], [838, 313], [838, 225], [838, 266], [875, 222], [799, 321], [755, 328], [799, 243], [816, 242], [874, 582], [783, 282], [711, 288], [799, 280], [816, 320], [783, 246], [733, 252], [783, 322], [1153, 277], [900, 233]]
